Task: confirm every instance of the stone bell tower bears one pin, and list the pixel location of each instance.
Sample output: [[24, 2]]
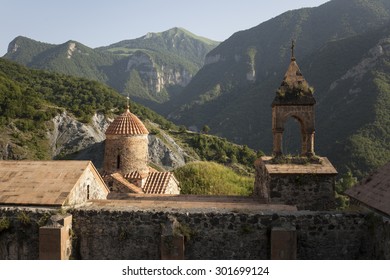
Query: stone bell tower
[[294, 99], [306, 181], [126, 146]]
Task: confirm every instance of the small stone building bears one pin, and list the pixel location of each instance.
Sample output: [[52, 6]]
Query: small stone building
[[307, 186], [50, 183], [126, 167], [305, 180]]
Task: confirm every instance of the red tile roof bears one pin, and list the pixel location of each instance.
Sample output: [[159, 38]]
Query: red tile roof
[[157, 182], [127, 124], [374, 191], [132, 175]]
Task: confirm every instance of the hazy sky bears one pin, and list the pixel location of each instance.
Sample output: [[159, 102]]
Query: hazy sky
[[102, 22]]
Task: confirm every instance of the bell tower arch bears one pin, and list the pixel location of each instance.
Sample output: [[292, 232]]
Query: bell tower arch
[[295, 99]]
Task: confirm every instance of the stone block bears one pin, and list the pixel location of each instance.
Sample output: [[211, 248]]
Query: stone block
[[283, 243], [55, 239], [172, 247]]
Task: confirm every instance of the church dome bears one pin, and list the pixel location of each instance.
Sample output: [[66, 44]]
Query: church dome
[[127, 124]]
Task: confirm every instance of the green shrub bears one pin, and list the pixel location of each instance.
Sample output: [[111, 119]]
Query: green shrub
[[4, 224]]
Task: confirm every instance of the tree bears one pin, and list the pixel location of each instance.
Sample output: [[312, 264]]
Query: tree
[[345, 182], [205, 129]]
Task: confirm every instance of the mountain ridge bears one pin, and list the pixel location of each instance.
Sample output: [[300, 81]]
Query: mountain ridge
[[151, 73]]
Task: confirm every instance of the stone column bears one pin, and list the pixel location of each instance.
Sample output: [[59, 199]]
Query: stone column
[[308, 144], [277, 142]]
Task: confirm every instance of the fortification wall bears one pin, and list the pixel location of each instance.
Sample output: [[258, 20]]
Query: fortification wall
[[210, 234], [19, 232], [379, 230], [111, 234]]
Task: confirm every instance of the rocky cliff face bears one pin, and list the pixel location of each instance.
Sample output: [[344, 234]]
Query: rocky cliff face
[[69, 135], [7, 151], [157, 76], [164, 152], [367, 64]]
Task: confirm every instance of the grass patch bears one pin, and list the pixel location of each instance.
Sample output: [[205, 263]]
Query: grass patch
[[210, 178]]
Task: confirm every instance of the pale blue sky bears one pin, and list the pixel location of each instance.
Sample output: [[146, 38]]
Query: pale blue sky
[[98, 23]]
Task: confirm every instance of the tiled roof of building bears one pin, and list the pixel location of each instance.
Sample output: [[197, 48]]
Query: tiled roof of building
[[42, 183], [157, 182], [119, 179], [127, 124], [132, 175], [374, 191]]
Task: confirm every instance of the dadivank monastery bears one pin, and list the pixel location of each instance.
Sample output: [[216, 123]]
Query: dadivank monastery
[[128, 210]]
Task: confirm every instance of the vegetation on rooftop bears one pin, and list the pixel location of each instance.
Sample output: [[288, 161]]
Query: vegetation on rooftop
[[295, 159]]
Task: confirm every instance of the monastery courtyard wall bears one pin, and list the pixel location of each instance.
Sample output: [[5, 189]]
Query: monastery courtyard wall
[[237, 230]]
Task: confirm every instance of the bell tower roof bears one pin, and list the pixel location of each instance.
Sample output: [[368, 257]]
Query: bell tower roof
[[294, 89], [127, 124]]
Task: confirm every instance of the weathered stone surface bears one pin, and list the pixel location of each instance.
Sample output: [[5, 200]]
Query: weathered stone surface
[[55, 239], [283, 243], [126, 154], [309, 187], [305, 116], [20, 240]]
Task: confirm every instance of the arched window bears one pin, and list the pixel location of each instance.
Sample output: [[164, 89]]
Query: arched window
[[292, 140], [87, 192]]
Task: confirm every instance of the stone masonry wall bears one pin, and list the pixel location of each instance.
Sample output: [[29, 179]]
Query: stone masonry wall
[[133, 151], [132, 234], [379, 228], [136, 234], [19, 232], [306, 191], [88, 187]]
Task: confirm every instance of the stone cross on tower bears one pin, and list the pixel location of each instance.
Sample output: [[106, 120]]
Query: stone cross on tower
[[294, 99], [292, 49]]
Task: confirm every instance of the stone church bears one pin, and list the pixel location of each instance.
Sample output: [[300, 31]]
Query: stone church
[[126, 167]]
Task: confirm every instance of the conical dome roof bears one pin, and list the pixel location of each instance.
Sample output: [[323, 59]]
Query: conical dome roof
[[127, 124]]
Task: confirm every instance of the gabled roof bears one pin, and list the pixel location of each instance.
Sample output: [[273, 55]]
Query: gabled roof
[[125, 183], [157, 182], [41, 183], [126, 124], [374, 191]]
